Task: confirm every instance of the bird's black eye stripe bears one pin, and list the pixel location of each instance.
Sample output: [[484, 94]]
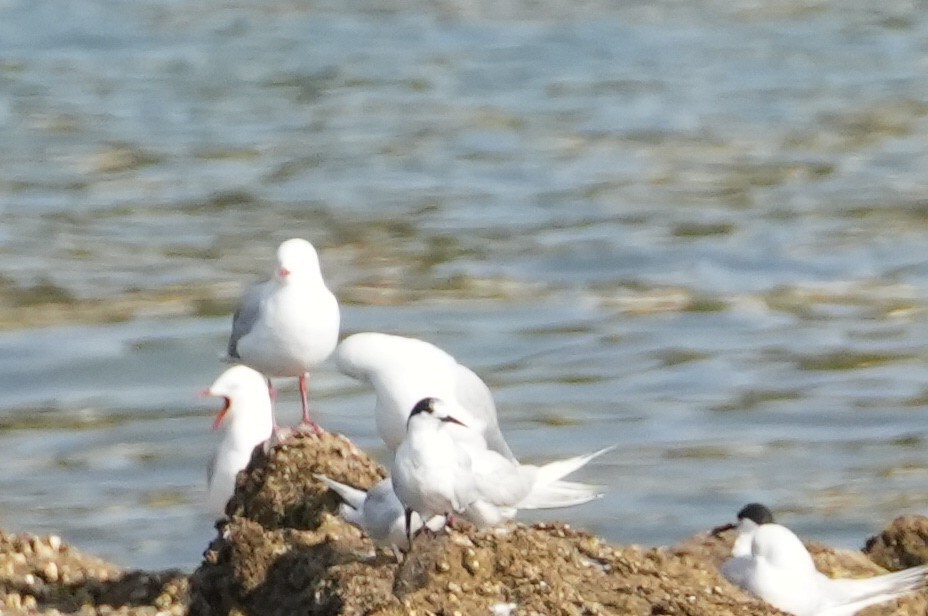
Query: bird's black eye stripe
[[423, 406]]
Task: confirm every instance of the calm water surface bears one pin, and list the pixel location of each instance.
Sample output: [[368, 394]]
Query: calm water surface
[[699, 231]]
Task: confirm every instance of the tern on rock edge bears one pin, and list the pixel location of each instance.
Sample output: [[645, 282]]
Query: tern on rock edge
[[436, 472], [769, 561], [246, 415], [289, 324]]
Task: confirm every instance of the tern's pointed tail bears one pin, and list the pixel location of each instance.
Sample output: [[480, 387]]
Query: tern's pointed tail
[[353, 497], [856, 594], [548, 491]]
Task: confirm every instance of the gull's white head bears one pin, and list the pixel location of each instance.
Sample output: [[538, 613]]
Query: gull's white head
[[242, 389], [437, 409], [296, 258]]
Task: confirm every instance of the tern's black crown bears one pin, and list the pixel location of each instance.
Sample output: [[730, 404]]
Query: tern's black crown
[[757, 513], [425, 405]]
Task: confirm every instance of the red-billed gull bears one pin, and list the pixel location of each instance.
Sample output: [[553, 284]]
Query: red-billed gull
[[246, 414], [286, 326]]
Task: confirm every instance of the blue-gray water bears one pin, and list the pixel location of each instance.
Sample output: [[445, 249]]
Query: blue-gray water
[[698, 230]]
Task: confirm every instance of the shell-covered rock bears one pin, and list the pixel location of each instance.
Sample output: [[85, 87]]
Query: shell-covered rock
[[45, 575]]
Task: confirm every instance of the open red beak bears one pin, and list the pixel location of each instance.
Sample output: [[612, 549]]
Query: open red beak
[[222, 414], [283, 272]]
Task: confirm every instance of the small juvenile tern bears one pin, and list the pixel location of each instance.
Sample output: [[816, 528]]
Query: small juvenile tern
[[377, 512]]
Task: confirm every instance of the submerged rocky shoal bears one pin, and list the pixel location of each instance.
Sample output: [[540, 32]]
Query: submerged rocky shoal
[[283, 551]]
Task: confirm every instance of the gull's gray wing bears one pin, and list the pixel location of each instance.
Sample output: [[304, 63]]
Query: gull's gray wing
[[246, 315], [474, 395]]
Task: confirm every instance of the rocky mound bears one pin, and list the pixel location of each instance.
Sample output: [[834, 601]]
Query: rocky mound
[[44, 575], [282, 551], [903, 544]]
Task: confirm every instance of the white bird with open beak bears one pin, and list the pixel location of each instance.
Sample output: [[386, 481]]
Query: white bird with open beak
[[246, 417]]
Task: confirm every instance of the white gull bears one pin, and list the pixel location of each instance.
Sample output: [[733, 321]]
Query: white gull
[[246, 414], [289, 324], [403, 371]]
